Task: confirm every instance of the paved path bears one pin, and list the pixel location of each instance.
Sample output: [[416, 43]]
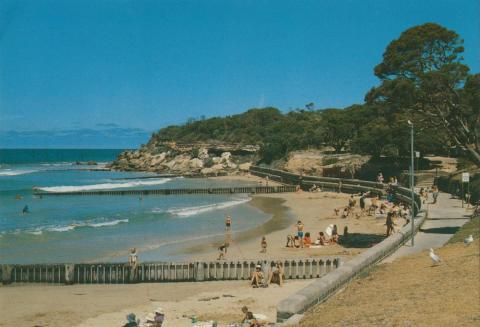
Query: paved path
[[444, 219]]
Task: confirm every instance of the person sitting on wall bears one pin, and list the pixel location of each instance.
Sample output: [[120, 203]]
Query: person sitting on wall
[[276, 275], [257, 277]]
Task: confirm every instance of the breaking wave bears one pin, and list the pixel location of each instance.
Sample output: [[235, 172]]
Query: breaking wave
[[103, 186]]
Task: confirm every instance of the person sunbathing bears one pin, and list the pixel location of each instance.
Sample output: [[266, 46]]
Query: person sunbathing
[[322, 240], [257, 277], [307, 241]]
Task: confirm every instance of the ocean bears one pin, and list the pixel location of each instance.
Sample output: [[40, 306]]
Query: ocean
[[103, 228]]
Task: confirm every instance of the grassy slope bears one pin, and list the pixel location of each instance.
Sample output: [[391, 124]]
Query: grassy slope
[[410, 292]]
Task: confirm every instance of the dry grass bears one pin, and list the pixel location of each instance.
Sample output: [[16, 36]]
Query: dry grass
[[410, 292]]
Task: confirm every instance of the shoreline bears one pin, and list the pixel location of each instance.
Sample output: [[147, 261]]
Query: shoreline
[[281, 217]]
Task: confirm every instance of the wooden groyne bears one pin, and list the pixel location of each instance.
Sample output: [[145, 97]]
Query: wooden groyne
[[182, 191], [160, 272]]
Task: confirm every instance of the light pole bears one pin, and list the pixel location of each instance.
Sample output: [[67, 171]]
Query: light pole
[[412, 181]]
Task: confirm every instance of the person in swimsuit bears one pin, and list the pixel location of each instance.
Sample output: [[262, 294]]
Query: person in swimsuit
[[276, 276], [300, 227], [263, 244], [228, 223], [133, 263]]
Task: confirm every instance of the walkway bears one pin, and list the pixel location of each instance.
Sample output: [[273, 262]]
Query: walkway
[[444, 219]]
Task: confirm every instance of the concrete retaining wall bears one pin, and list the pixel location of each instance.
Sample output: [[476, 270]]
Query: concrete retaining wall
[[152, 272]]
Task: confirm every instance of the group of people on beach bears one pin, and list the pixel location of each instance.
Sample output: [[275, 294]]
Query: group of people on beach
[[154, 319], [301, 240]]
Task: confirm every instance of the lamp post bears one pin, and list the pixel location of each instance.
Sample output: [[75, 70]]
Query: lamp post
[[412, 181]]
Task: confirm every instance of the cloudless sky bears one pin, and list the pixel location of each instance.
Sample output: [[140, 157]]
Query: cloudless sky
[[77, 65]]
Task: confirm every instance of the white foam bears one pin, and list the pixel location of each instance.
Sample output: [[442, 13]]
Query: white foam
[[191, 211], [10, 172], [67, 228], [103, 186], [108, 223]]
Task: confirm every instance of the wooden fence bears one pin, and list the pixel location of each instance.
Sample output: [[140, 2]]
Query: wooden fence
[[157, 272]]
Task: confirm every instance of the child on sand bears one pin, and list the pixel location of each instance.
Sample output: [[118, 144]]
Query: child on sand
[[263, 244], [307, 241], [222, 251]]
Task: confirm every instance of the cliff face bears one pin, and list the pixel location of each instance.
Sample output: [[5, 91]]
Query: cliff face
[[196, 159]]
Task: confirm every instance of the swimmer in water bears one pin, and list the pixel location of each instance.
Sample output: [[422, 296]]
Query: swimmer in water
[[25, 210]]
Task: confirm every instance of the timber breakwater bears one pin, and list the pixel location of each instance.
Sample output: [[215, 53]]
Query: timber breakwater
[[157, 272]]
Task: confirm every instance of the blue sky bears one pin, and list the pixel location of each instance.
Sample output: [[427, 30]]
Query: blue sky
[[127, 68]]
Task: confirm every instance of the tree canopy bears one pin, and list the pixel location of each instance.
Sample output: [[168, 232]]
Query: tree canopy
[[423, 79]]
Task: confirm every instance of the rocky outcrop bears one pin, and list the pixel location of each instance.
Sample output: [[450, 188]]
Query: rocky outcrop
[[188, 160], [318, 163]]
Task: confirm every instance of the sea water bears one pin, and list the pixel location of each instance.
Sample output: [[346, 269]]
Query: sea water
[[103, 228]]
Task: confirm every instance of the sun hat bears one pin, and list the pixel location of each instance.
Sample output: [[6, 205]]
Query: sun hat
[[160, 311]]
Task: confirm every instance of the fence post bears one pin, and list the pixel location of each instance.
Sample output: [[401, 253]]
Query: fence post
[[199, 272]]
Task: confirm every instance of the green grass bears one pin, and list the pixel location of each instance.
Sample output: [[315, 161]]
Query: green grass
[[471, 227]]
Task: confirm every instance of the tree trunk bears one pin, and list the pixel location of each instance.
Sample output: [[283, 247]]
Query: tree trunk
[[474, 154]]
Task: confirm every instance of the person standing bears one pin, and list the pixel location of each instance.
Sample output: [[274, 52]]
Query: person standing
[[263, 245], [133, 263], [300, 227], [434, 193], [228, 223], [389, 222]]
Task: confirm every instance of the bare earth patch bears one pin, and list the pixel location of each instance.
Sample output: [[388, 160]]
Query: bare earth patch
[[410, 292]]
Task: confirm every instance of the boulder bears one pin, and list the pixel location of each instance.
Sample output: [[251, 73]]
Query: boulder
[[231, 165], [158, 159], [203, 154], [196, 163], [226, 156], [207, 171], [216, 160], [217, 167]]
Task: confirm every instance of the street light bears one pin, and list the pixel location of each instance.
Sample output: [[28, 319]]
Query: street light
[[412, 181]]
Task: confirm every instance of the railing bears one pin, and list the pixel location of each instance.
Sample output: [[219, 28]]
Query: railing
[[157, 272], [344, 185]]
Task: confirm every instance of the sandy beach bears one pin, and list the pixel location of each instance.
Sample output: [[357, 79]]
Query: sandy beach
[[107, 305]]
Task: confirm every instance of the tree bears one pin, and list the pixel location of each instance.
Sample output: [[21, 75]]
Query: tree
[[338, 129], [422, 73]]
